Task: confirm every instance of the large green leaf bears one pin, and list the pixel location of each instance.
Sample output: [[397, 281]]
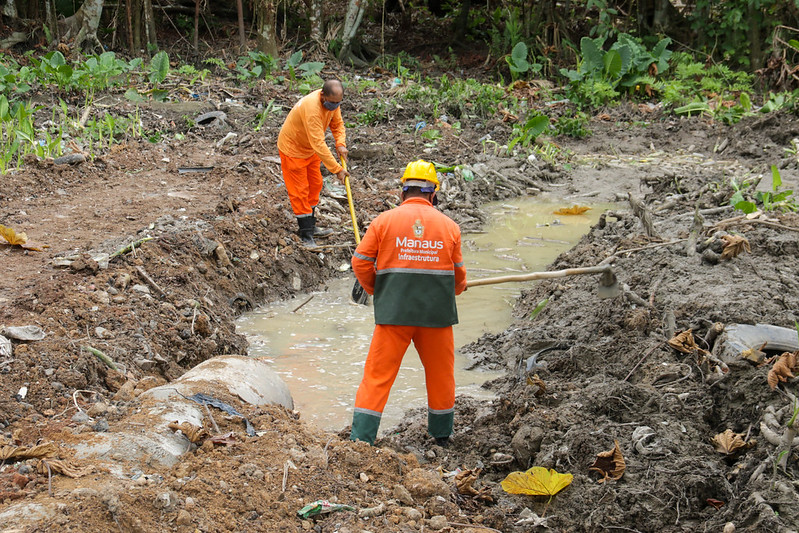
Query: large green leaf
[[159, 67], [612, 64], [294, 60], [592, 56]]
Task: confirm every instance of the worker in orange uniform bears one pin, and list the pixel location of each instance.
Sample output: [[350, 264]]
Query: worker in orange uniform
[[302, 147], [410, 260]]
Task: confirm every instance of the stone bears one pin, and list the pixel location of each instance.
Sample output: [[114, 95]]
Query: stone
[[184, 518], [438, 522], [402, 495], [423, 484]]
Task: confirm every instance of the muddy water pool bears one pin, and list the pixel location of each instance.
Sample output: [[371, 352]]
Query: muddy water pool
[[318, 341]]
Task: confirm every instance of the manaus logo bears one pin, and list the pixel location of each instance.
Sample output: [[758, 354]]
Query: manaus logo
[[418, 229]]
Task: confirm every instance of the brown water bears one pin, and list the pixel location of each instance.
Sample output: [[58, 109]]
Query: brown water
[[320, 349]]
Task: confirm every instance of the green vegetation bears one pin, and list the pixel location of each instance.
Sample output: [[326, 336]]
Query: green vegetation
[[748, 201]]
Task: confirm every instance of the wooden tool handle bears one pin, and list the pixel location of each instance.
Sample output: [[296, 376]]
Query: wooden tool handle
[[540, 275]]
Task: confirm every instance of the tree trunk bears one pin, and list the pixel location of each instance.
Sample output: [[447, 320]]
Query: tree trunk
[[10, 9], [315, 19], [462, 20], [352, 20], [265, 19], [84, 24], [149, 21], [242, 37], [52, 21], [196, 24]]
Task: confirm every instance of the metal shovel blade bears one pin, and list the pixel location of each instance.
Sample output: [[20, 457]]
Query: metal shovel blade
[[608, 285], [359, 294]]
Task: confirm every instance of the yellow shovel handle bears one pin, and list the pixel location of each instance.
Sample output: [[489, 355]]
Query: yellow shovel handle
[[352, 207]]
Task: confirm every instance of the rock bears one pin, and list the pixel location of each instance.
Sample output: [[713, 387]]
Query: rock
[[412, 514], [184, 518], [23, 333], [146, 383], [711, 257], [144, 289], [101, 426], [423, 484], [101, 297], [6, 349], [19, 480], [189, 503], [125, 393], [526, 443], [402, 495], [80, 417], [438, 522], [98, 409], [165, 501]]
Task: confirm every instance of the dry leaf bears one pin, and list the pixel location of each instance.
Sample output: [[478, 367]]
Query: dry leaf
[[573, 210], [228, 439], [19, 453], [19, 239], [464, 481], [782, 369], [538, 481], [729, 442], [755, 355], [734, 245], [534, 380], [62, 467], [684, 342], [195, 434], [12, 237], [610, 463], [714, 502]]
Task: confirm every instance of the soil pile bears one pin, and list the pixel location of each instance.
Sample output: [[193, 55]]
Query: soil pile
[[215, 237]]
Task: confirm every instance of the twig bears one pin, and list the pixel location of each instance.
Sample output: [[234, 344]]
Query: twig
[[193, 318], [616, 254], [303, 303], [75, 399], [101, 356], [286, 472], [150, 281], [735, 221], [647, 354], [49, 478], [130, 247], [213, 422], [478, 526]]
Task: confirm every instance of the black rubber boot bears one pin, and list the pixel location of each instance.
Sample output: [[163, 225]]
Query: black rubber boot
[[320, 232], [306, 225]]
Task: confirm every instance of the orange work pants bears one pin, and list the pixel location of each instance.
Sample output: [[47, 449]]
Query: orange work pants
[[303, 180], [436, 349]]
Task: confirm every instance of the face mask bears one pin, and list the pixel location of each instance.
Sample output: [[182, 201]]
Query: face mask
[[331, 106]]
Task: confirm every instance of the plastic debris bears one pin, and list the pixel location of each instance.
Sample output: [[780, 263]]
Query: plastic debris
[[322, 507], [204, 399]]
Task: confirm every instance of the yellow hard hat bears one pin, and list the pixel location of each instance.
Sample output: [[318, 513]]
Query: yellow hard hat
[[420, 174]]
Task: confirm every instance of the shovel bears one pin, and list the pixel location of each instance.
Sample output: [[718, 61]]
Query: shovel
[[359, 295], [608, 284]]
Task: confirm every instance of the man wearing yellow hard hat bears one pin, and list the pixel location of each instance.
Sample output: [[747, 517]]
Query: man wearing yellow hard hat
[[410, 260]]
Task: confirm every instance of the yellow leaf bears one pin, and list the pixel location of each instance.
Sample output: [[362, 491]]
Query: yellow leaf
[[12, 237], [538, 481], [574, 210]]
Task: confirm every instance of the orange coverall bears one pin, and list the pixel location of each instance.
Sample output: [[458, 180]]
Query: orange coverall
[[410, 259], [301, 144]]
